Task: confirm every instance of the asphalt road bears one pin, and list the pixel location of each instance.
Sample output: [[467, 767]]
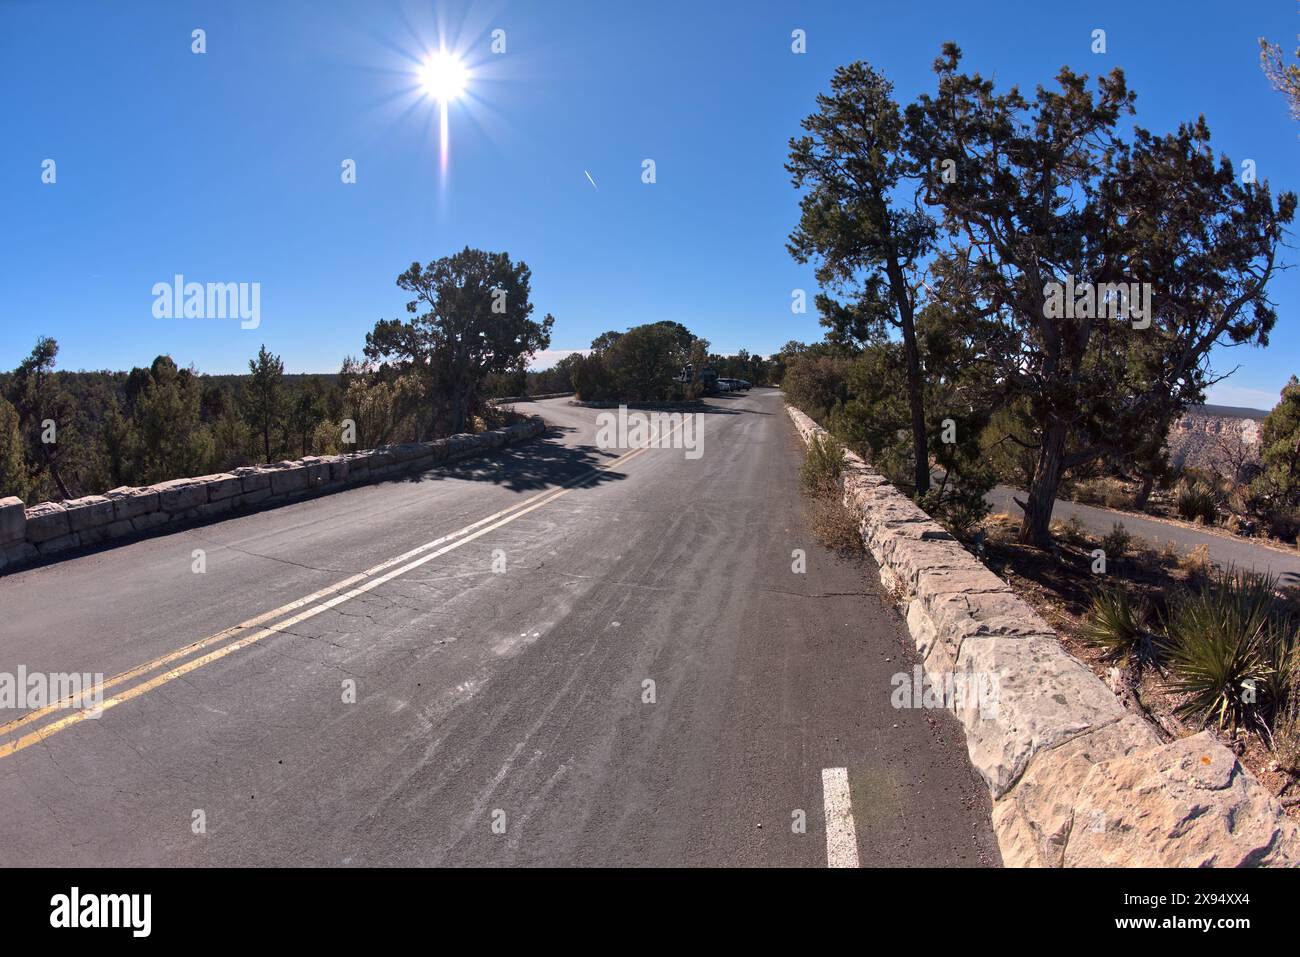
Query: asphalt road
[[1223, 549], [501, 711]]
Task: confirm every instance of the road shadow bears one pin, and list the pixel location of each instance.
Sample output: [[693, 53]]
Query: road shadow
[[730, 397], [546, 462], [542, 463]]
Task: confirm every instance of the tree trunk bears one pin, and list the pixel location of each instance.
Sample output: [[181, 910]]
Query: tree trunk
[[1036, 527], [1129, 690], [903, 302], [920, 451], [458, 413], [1144, 493], [52, 467], [58, 480], [55, 474]]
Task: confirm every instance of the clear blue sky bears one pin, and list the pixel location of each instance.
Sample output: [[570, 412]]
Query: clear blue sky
[[225, 166]]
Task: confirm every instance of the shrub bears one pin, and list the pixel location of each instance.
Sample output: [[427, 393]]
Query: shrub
[[1286, 728], [1220, 643], [1196, 499], [835, 526], [959, 499], [1283, 525], [592, 381], [957, 508], [1106, 491], [822, 466], [1196, 562], [1072, 531], [644, 361], [816, 384], [1117, 624], [326, 438], [833, 522], [1117, 542], [496, 417], [1118, 497], [1084, 491], [1241, 501], [1283, 656], [1006, 445]]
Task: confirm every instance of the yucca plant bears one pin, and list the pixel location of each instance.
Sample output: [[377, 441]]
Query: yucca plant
[[1197, 499], [1117, 624], [1219, 643]]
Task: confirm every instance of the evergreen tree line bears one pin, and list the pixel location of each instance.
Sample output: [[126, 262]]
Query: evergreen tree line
[[656, 362], [66, 434]]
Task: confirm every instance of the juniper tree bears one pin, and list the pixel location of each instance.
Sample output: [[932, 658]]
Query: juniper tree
[[1045, 192], [1278, 484], [470, 318], [868, 245]]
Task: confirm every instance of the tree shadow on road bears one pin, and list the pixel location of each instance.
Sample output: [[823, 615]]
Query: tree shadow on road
[[729, 397], [545, 462]]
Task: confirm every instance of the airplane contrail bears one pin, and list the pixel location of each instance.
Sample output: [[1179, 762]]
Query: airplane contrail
[[590, 180]]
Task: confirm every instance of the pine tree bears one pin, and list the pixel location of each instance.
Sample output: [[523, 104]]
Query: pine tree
[[263, 398], [13, 463]]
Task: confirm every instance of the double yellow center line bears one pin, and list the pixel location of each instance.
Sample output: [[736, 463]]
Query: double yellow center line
[[305, 608]]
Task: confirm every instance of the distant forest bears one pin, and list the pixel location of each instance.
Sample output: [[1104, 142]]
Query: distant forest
[[66, 434]]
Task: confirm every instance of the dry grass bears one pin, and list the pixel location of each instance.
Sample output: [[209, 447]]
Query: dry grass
[[1105, 491], [835, 525], [1286, 735], [1196, 563]]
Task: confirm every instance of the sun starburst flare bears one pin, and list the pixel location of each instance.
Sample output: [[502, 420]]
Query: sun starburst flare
[[444, 77]]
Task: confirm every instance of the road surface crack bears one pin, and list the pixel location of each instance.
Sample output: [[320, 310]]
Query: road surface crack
[[271, 558], [824, 594]]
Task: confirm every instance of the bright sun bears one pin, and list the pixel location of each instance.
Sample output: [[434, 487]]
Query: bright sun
[[443, 76]]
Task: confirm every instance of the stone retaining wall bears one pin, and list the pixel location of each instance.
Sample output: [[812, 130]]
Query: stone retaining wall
[[530, 398], [29, 534], [1076, 780], [685, 405]]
